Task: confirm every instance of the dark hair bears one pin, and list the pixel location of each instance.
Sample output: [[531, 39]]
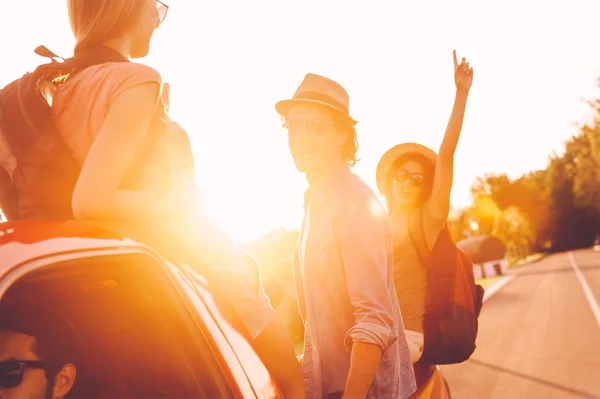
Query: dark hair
[[428, 171], [350, 148], [55, 337]]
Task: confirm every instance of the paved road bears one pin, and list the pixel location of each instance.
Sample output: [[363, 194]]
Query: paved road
[[538, 336]]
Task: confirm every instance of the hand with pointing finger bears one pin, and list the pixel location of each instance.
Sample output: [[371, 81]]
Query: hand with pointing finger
[[463, 74]]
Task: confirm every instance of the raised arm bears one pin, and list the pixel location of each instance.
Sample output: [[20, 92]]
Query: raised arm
[[439, 202]]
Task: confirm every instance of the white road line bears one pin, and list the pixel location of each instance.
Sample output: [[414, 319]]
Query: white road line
[[586, 289], [494, 288]]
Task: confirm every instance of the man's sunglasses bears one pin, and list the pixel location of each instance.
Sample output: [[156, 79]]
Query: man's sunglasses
[[162, 9], [415, 179], [11, 371]]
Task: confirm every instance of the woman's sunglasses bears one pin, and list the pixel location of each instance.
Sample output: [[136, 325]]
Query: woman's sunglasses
[[11, 371], [162, 9], [415, 179]]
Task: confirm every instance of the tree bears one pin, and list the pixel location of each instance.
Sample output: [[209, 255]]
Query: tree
[[527, 194], [498, 187], [574, 187], [586, 171], [484, 212], [513, 227]]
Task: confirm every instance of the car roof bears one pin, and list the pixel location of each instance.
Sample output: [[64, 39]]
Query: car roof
[[22, 242]]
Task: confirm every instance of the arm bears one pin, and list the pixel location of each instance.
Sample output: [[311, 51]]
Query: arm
[[271, 340], [364, 362], [244, 291], [364, 246], [275, 349], [97, 194], [439, 201]]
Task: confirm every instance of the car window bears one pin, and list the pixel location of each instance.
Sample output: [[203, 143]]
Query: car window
[[137, 333]]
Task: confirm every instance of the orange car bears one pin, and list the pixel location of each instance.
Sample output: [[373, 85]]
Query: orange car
[[432, 385], [148, 324]]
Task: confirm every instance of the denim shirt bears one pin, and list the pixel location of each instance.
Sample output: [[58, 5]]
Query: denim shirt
[[346, 290]]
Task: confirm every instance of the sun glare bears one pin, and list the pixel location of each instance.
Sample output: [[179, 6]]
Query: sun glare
[[401, 90]]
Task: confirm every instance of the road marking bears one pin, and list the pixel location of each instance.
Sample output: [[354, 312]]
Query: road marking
[[493, 289], [586, 288]]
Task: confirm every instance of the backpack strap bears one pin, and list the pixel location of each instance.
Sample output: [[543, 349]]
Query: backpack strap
[[419, 243]]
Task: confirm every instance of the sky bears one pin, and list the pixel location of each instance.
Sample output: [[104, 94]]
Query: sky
[[229, 62]]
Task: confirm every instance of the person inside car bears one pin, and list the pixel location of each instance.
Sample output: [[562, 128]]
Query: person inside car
[[38, 354]]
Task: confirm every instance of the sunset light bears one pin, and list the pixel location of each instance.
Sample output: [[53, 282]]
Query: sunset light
[[299, 199], [229, 62]]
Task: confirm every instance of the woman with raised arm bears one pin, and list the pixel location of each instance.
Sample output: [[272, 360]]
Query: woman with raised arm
[[412, 178]]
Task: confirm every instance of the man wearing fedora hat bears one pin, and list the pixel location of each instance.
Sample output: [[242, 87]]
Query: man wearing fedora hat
[[354, 345]]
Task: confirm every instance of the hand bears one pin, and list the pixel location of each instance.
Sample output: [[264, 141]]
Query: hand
[[463, 75]]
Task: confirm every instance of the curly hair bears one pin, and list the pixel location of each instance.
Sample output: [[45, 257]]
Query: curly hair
[[350, 148]]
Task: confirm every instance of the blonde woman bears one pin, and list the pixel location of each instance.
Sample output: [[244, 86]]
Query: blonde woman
[[107, 115]]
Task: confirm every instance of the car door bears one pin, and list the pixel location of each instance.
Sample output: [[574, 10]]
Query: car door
[[204, 350], [263, 385]]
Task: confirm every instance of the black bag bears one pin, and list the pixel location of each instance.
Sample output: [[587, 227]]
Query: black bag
[[454, 301], [37, 171]]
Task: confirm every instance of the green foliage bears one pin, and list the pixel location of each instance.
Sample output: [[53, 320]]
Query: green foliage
[[559, 205]]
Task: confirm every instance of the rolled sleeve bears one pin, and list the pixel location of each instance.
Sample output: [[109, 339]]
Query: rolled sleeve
[[364, 242], [370, 333]]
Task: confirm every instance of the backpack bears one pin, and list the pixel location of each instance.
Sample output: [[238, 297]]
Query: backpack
[[37, 171], [454, 301]]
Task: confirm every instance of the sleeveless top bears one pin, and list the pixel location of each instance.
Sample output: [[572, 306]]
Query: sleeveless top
[[80, 107], [410, 276]]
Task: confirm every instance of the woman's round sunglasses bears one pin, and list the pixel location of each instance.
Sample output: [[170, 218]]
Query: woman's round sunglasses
[[415, 179], [11, 371]]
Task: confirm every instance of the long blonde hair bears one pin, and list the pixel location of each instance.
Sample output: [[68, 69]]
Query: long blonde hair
[[94, 21]]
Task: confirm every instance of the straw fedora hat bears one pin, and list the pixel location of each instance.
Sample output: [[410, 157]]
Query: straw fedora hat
[[393, 154], [320, 90]]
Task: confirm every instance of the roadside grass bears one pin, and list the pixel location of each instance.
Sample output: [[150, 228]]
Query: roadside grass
[[523, 261]]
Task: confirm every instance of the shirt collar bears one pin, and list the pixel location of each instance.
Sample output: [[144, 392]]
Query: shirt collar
[[316, 196]]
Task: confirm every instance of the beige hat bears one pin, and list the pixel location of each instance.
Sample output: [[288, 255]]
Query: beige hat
[[393, 154], [319, 90]]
